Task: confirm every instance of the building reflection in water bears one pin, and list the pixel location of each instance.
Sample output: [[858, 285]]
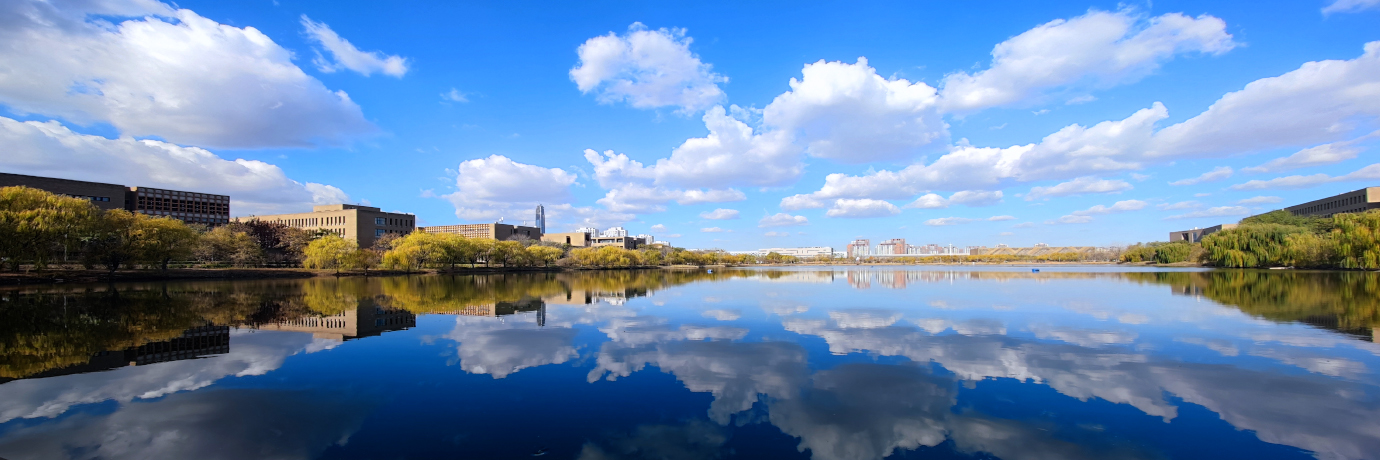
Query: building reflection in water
[[194, 343], [359, 322]]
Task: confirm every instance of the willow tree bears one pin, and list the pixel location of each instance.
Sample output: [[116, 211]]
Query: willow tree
[[34, 224], [414, 251], [1251, 246], [1168, 253], [163, 239], [457, 249], [114, 239], [1356, 240], [330, 251]]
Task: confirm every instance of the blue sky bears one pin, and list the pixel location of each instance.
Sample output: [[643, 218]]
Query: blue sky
[[1088, 123]]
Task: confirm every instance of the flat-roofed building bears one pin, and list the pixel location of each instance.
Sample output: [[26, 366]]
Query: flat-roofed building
[[625, 242], [799, 252], [104, 196], [353, 323], [1196, 235], [493, 231], [361, 224], [859, 248], [574, 239], [1354, 201], [189, 207], [1032, 251]]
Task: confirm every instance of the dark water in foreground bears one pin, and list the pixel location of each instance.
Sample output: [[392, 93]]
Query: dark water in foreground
[[1069, 363]]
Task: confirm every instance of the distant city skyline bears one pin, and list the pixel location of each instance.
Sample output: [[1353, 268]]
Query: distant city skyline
[[728, 125]]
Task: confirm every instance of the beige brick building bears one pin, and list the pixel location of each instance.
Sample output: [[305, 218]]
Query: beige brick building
[[491, 231], [362, 224], [574, 239]]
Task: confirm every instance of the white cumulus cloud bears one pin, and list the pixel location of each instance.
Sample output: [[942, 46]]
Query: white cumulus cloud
[[848, 113], [1218, 173], [1071, 219], [1220, 211], [1079, 186], [454, 95], [497, 186], [1324, 154], [942, 221], [720, 214], [782, 219], [1260, 200], [647, 69], [1120, 206], [1072, 152], [1321, 101], [732, 154], [967, 197], [150, 70], [1097, 49], [1371, 172], [862, 208], [344, 55], [1350, 6], [51, 149]]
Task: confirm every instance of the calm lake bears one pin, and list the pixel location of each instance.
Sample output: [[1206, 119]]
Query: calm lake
[[823, 363]]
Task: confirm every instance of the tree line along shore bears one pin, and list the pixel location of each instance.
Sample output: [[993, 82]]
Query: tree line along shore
[[1279, 239], [42, 232], [46, 232]]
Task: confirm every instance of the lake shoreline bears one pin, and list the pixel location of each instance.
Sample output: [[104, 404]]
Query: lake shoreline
[[77, 276]]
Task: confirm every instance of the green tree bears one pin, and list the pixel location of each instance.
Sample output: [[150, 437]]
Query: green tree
[[505, 251], [1282, 217], [113, 241], [363, 259], [1356, 240], [484, 248], [162, 239], [225, 245], [1251, 246], [35, 225], [330, 252], [457, 249], [1166, 254], [413, 252]]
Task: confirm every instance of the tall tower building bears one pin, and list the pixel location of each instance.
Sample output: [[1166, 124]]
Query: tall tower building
[[541, 219]]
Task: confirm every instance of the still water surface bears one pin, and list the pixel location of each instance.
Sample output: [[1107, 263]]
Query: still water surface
[[842, 363]]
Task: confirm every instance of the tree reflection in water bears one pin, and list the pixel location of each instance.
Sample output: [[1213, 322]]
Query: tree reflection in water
[[888, 380]]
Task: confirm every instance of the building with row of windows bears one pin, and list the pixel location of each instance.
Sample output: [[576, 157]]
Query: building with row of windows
[[1354, 201], [190, 207], [494, 231], [362, 224], [1350, 202]]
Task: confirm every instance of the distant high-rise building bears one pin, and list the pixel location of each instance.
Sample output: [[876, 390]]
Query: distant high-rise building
[[591, 231], [859, 248], [541, 218], [892, 246], [614, 232], [646, 239]]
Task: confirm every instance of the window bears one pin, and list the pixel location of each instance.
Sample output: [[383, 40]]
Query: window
[[379, 221], [379, 232]]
